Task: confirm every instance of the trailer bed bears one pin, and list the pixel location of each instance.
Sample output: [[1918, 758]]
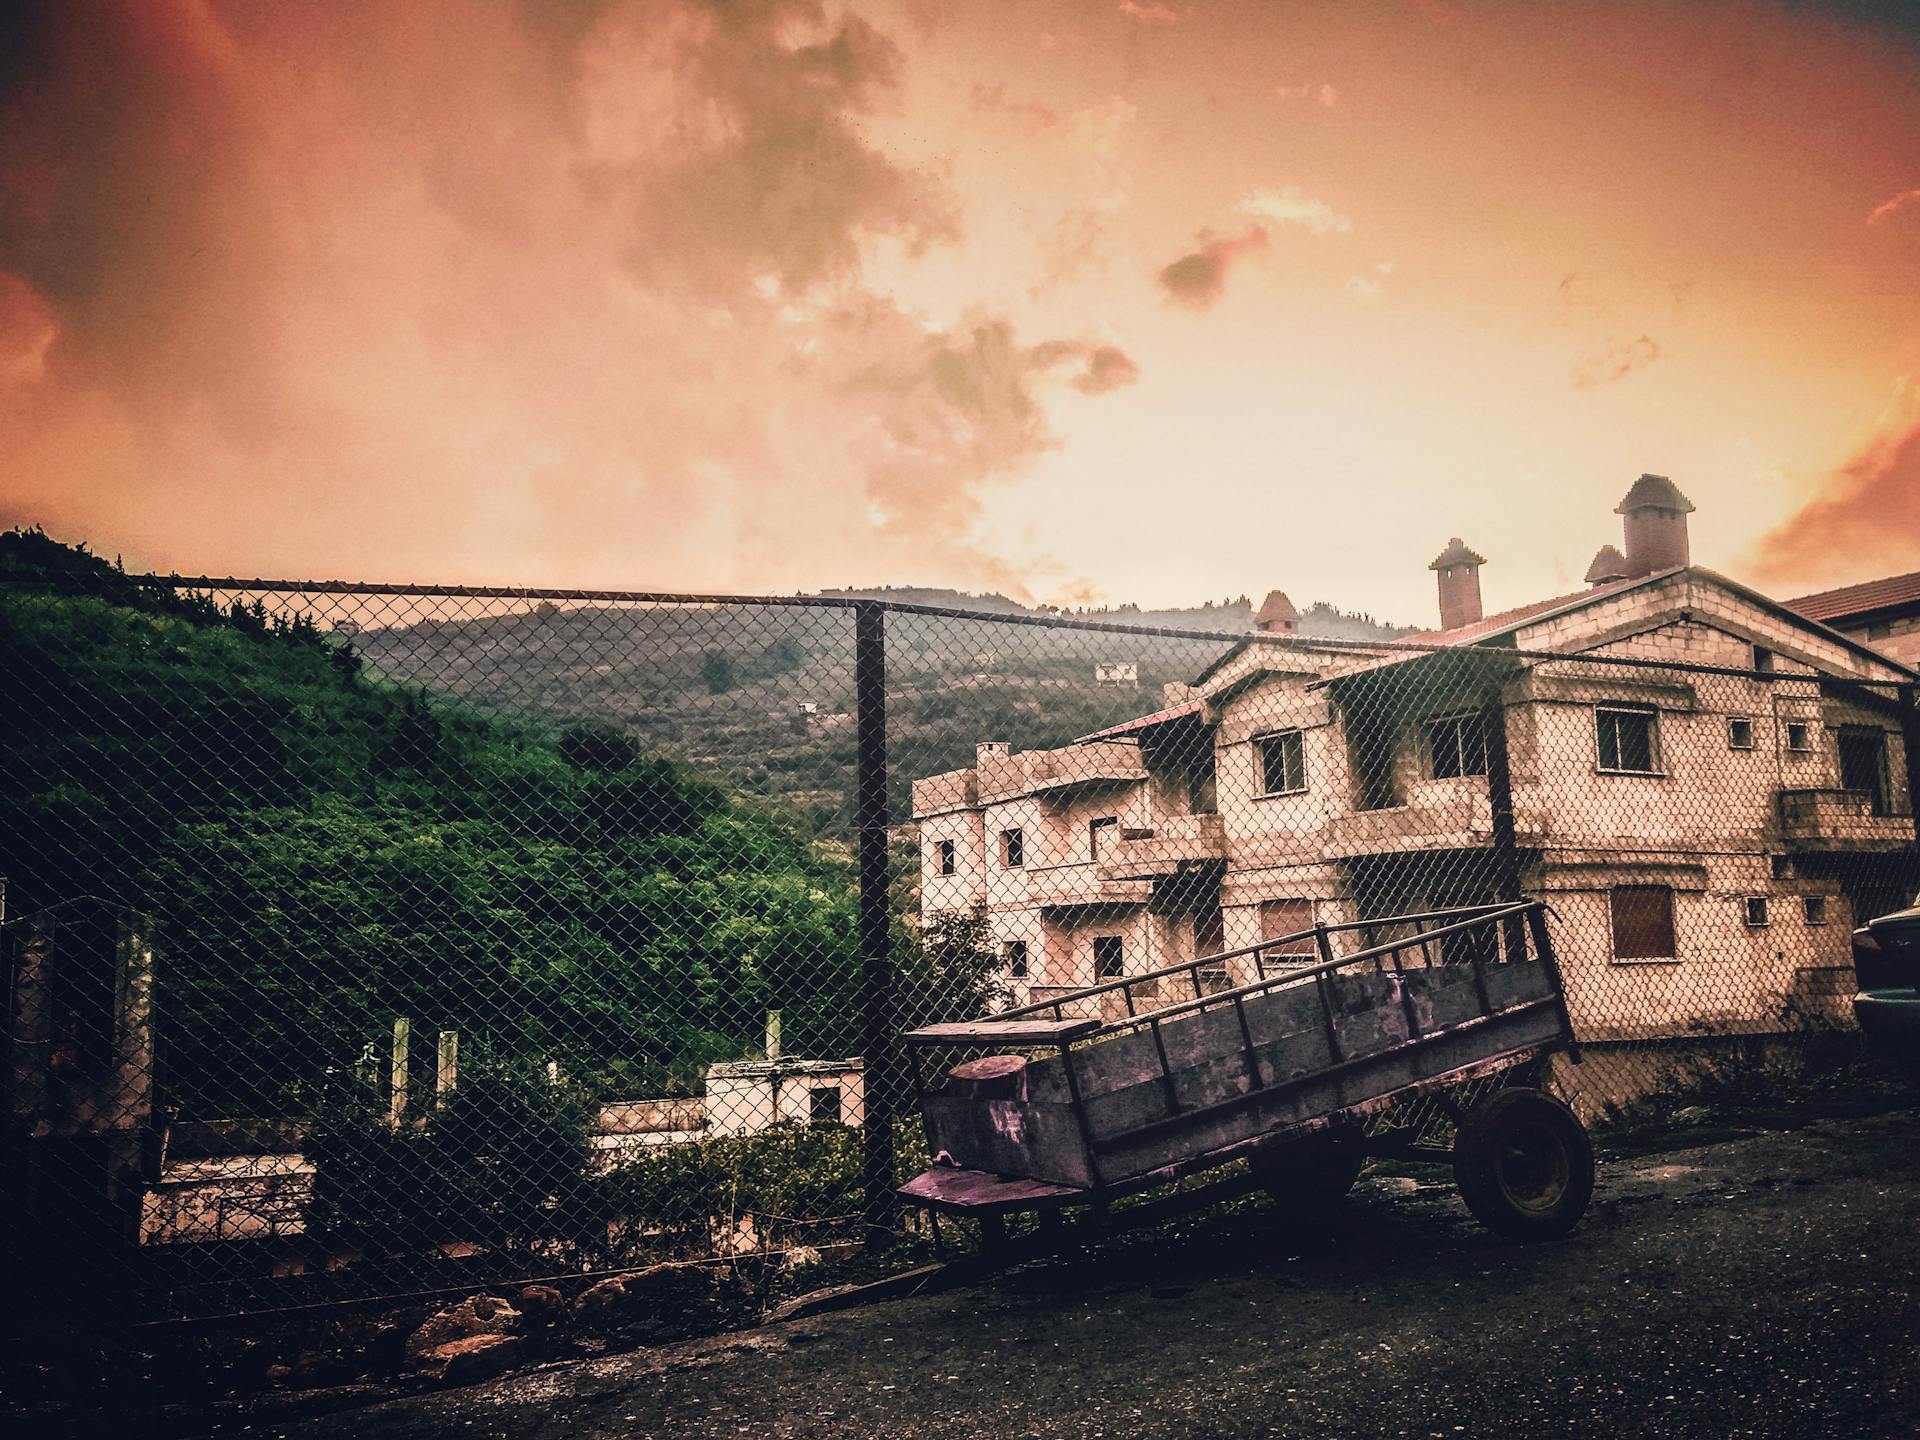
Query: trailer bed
[[1075, 1108]]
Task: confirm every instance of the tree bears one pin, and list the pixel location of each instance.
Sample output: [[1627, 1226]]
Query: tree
[[717, 671]]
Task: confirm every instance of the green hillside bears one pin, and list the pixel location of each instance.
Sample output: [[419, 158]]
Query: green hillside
[[321, 849]]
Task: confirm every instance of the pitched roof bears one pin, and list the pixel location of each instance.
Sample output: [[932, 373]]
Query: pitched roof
[[1276, 607], [1654, 492], [1456, 553], [1861, 599], [1608, 564], [1145, 722]]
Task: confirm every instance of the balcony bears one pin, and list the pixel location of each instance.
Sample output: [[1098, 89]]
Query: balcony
[[1056, 774], [1081, 885], [1814, 820], [1182, 842], [1453, 814]]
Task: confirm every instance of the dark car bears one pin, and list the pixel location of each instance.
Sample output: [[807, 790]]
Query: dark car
[[1886, 961]]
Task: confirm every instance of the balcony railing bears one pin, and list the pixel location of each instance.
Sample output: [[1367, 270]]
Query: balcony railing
[[1184, 841], [1055, 773], [1841, 820]]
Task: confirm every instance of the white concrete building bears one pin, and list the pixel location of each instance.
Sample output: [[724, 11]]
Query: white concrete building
[[1711, 796]]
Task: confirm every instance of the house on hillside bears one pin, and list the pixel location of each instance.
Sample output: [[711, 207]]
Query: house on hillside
[[1711, 795]]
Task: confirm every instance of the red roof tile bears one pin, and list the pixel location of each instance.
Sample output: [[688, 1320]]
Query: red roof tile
[[1859, 599], [1158, 717]]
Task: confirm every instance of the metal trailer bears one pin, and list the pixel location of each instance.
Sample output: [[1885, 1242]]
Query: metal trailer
[[1134, 1083]]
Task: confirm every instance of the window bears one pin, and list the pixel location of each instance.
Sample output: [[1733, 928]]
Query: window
[[1629, 740], [1456, 746], [1106, 827], [1013, 956], [1763, 659], [823, 1105], [1283, 763], [1756, 912], [1287, 917], [943, 851], [1863, 765], [1814, 909], [1109, 957], [1642, 922], [1739, 733], [1013, 848], [1799, 735]]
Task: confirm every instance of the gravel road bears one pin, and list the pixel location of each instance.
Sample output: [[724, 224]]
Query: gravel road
[[1759, 1286]]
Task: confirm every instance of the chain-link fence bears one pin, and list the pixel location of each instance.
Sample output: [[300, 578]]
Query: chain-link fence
[[374, 941]]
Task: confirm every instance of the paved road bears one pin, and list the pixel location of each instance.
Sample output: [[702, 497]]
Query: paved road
[[1763, 1286]]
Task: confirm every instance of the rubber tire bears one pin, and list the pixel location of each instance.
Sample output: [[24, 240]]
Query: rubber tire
[[1311, 1178], [1524, 1164]]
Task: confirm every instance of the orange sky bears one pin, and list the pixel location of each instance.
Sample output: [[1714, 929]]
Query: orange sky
[[1143, 301]]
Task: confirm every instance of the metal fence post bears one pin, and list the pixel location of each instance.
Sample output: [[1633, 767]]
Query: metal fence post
[[1506, 849], [876, 955], [1909, 699]]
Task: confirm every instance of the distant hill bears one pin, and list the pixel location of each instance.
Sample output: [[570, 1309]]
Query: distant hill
[[761, 697], [320, 849]]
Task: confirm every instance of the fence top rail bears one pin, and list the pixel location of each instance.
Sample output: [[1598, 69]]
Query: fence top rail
[[1406, 648], [1475, 914]]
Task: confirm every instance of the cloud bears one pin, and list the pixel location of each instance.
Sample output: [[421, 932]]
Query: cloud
[[1370, 286], [1863, 518], [1148, 12], [579, 298], [1199, 278], [1614, 363], [1291, 206], [1107, 368], [1327, 95], [1898, 204]]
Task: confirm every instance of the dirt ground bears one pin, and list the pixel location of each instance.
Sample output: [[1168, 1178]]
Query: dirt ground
[[1764, 1285]]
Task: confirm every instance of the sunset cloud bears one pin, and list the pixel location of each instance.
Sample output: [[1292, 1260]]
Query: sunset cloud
[[1199, 278], [1863, 518], [1615, 363], [1289, 205], [582, 293], [1148, 12], [1326, 95], [1906, 200]]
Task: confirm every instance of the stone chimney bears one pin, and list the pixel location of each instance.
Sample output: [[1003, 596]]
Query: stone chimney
[[1277, 615], [1656, 525], [1459, 571], [1608, 565]]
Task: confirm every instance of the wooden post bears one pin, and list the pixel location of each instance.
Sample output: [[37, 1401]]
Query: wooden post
[[402, 1036], [773, 1034], [446, 1069], [876, 939]]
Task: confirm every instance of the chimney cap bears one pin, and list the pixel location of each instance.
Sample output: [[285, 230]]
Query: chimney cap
[[1608, 564], [1654, 492], [1274, 608], [1456, 554]]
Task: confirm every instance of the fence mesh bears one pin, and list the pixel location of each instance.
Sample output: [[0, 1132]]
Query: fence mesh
[[365, 942]]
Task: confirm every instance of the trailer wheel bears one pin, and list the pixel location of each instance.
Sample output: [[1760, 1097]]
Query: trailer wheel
[[1524, 1164], [1307, 1181]]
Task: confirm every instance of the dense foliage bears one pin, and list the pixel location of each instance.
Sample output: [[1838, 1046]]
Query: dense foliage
[[320, 851]]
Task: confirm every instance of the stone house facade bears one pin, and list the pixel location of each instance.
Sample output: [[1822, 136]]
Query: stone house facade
[[1711, 795]]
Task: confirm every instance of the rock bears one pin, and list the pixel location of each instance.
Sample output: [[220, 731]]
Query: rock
[[476, 1315], [1692, 1115], [544, 1306], [604, 1304], [800, 1257], [474, 1358]]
